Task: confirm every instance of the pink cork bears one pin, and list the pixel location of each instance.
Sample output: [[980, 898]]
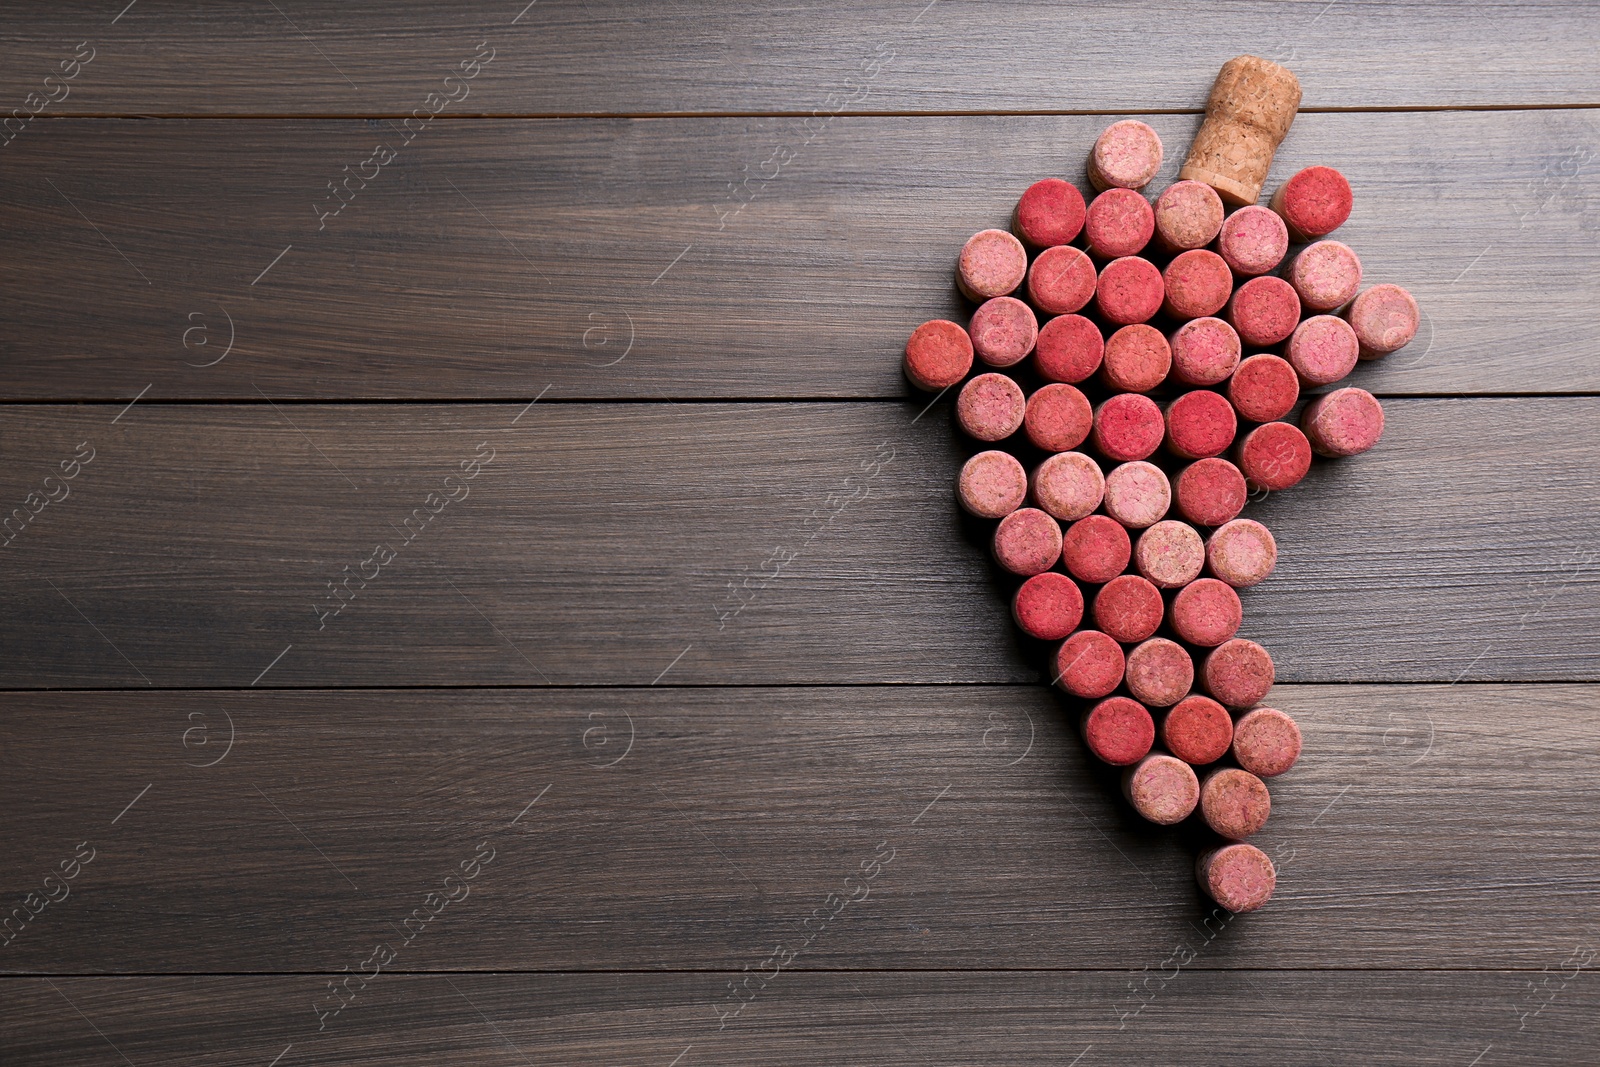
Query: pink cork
[[1050, 213], [1239, 877], [991, 407], [993, 263], [1263, 310], [992, 485], [1089, 665], [1126, 155], [1061, 280], [1345, 422], [1313, 203], [1204, 351], [1200, 425], [1130, 290], [1210, 492], [1119, 223], [1162, 788], [1274, 456], [1137, 494], [1170, 554], [1128, 608], [1068, 486], [1326, 275], [1096, 549], [1128, 426], [1003, 331], [1264, 388], [1058, 418], [1069, 349], [1385, 319], [1197, 730], [1188, 215], [1048, 606], [1206, 612], [1234, 803], [1253, 240], [1266, 742], [938, 355], [1137, 359], [1159, 672], [1198, 284], [1241, 552], [1237, 673], [1119, 731], [1027, 542], [1322, 350]]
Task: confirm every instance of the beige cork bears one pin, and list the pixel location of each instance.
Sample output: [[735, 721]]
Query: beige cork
[[1251, 106]]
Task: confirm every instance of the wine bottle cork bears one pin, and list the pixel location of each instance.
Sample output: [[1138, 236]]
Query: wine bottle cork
[[1003, 331], [1274, 456], [1234, 803], [1089, 665], [1251, 106], [1263, 310], [1162, 788], [1241, 552], [992, 263], [1206, 612], [1197, 283], [1210, 492], [1326, 275], [1126, 155], [1069, 349], [1119, 731], [1205, 351], [1253, 241], [1119, 223], [1058, 418], [1188, 215], [1385, 319], [1313, 203], [1128, 608], [1049, 214], [1322, 350], [992, 485], [1170, 554], [1239, 877], [938, 355], [1266, 742], [1096, 549], [1027, 542], [1048, 606], [1200, 424], [1159, 673], [990, 407], [1345, 422], [1061, 280], [1137, 494], [1238, 673], [1264, 388], [1137, 359], [1130, 290], [1197, 730], [1127, 427], [1067, 486]]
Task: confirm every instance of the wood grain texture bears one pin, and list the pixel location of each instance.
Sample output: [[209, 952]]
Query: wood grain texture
[[650, 829], [561, 56], [613, 259]]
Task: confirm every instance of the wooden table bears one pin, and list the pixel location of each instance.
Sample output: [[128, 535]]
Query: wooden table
[[484, 593]]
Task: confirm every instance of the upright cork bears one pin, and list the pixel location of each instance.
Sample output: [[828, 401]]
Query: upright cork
[[1252, 104]]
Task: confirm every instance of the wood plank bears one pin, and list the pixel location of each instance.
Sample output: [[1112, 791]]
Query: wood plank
[[599, 544], [612, 259], [648, 829], [561, 56]]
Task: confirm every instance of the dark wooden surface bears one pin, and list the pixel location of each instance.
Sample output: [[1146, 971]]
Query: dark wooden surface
[[552, 667]]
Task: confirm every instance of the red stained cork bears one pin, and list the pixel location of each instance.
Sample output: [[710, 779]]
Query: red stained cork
[[1170, 554], [1200, 425], [1248, 113], [1204, 351], [1119, 223], [1050, 213], [1089, 665], [1159, 672], [1264, 388], [1003, 331], [1237, 672], [991, 407], [1198, 731], [1239, 877], [1274, 456], [1126, 155], [1326, 275], [1069, 349], [1266, 742], [1130, 290], [1126, 427], [1313, 203], [1206, 612], [1162, 788], [1210, 492], [1385, 319], [1128, 608], [1188, 215], [1263, 310], [1322, 350], [992, 263], [938, 355], [1027, 542], [992, 485], [1137, 359], [1234, 803], [1253, 241], [1137, 494], [1058, 418], [1241, 552], [1198, 283], [1048, 606], [1061, 280], [1119, 731], [1096, 549], [1068, 486], [1346, 422]]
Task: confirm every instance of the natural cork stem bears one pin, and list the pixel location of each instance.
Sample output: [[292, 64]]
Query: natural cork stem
[[1252, 104]]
